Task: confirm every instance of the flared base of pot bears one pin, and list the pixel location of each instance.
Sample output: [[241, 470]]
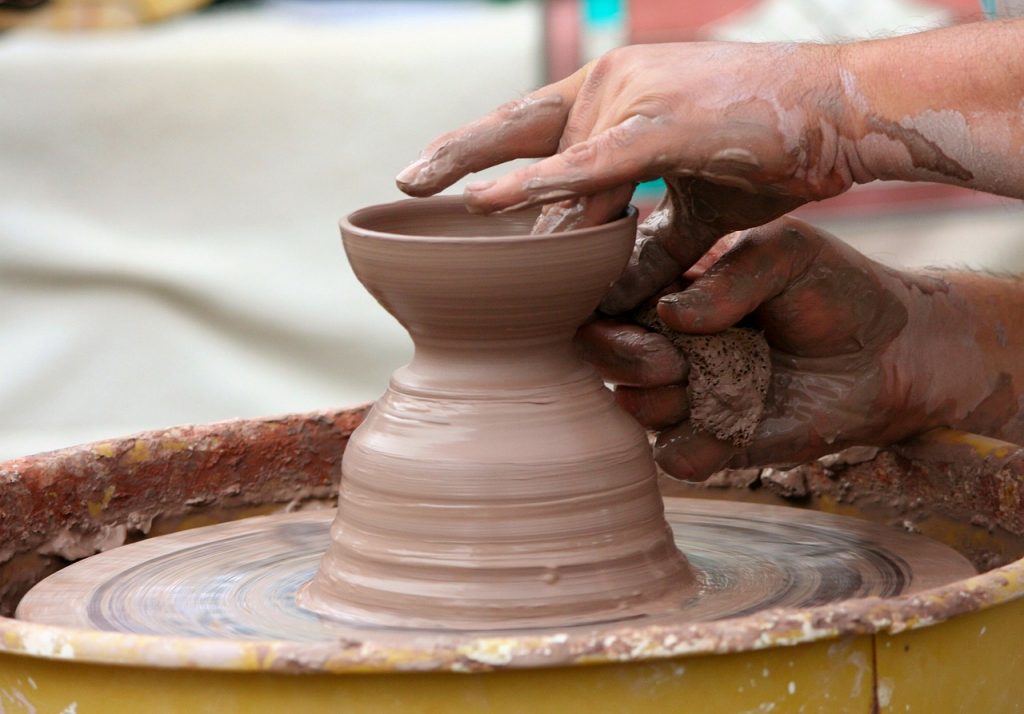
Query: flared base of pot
[[492, 599], [469, 512]]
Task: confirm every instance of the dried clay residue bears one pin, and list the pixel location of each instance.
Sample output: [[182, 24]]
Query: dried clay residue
[[65, 505]]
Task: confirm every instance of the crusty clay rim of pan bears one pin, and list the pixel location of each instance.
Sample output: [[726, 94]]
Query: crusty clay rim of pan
[[470, 652]]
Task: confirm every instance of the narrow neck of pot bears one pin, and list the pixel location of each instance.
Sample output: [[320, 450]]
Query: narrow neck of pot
[[491, 368]]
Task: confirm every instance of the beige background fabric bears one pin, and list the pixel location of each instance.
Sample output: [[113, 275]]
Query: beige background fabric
[[169, 199]]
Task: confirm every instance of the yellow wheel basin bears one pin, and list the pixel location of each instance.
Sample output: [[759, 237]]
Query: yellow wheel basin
[[950, 649]]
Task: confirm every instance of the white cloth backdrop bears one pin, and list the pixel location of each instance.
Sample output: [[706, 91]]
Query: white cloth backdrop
[[169, 198], [169, 201]]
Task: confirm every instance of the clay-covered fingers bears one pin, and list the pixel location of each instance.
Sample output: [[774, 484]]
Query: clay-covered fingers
[[714, 254], [524, 128], [758, 268], [650, 267], [685, 453], [631, 355], [621, 155], [657, 407], [583, 212], [684, 229]]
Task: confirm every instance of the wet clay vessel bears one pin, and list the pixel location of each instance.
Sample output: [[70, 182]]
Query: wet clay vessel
[[495, 484]]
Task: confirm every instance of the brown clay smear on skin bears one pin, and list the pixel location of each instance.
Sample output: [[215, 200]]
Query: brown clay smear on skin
[[953, 352], [971, 138], [924, 153], [449, 155]]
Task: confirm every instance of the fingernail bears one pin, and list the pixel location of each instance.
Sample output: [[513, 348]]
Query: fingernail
[[516, 206], [478, 186], [411, 172], [683, 311], [690, 299]]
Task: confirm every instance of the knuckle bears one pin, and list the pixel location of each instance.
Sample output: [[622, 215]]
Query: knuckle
[[606, 64], [619, 136], [581, 154], [652, 106], [612, 63], [513, 109], [786, 233]]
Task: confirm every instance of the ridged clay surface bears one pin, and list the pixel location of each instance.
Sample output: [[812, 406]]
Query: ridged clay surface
[[496, 483]]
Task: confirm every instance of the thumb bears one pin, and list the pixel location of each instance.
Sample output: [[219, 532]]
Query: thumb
[[805, 418], [651, 267], [781, 440], [689, 220], [703, 212]]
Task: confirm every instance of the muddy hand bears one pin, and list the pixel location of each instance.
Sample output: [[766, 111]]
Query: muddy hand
[[705, 110], [835, 321], [737, 145]]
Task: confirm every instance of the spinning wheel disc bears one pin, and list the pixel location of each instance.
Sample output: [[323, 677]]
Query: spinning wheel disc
[[239, 579]]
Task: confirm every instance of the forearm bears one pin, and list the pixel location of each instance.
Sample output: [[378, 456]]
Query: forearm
[[946, 106], [961, 354]]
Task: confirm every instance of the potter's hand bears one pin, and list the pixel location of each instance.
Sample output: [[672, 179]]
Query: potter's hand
[[861, 354], [741, 133], [759, 117], [744, 133]]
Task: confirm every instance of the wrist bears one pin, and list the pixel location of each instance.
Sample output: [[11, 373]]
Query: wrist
[[937, 106], [924, 398], [880, 142], [955, 362], [835, 115], [865, 157]]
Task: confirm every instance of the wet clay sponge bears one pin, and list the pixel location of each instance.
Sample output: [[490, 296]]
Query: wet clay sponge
[[728, 381]]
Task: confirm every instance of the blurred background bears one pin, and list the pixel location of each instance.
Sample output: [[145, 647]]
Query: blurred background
[[172, 172]]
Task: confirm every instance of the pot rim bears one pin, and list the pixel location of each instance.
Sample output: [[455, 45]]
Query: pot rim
[[349, 226]]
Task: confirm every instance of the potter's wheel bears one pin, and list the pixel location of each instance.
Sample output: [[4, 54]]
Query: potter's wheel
[[238, 579]]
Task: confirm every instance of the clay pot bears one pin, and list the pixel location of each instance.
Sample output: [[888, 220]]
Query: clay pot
[[496, 483]]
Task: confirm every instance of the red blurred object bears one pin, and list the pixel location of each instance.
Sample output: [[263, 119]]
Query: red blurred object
[[674, 21], [562, 35], [670, 20]]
